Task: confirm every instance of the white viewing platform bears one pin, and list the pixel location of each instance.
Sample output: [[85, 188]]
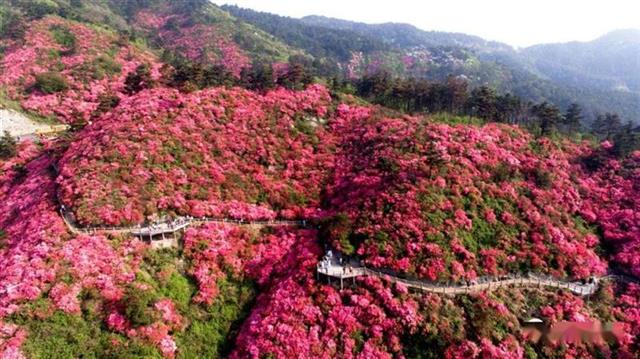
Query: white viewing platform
[[161, 228]]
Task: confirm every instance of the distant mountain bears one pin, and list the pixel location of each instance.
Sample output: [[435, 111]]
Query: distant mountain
[[602, 75], [408, 36], [320, 41], [611, 62]]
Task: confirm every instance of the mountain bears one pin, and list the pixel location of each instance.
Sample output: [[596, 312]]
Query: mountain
[[319, 41], [611, 62], [408, 36], [189, 213], [608, 86]]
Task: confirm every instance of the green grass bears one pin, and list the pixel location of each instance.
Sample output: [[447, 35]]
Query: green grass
[[213, 328], [456, 120], [63, 336]]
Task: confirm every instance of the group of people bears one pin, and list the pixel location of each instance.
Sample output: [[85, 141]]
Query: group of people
[[330, 260]]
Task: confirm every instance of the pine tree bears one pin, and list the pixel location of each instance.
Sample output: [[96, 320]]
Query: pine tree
[[573, 118], [626, 140], [548, 117], [605, 126], [483, 103], [508, 108]]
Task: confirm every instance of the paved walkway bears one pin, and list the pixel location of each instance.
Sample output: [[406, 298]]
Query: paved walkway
[[332, 267], [169, 227]]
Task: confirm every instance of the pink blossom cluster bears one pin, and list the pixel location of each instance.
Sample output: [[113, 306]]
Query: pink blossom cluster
[[206, 44], [38, 255], [157, 333], [613, 203], [218, 153], [24, 60], [11, 339], [94, 262], [419, 195], [627, 310], [214, 248], [296, 317], [33, 234], [419, 198], [509, 349]]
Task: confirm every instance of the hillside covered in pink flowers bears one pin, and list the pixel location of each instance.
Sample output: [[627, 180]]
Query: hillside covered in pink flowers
[[448, 200]]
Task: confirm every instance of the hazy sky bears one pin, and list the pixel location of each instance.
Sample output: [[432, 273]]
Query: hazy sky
[[516, 22]]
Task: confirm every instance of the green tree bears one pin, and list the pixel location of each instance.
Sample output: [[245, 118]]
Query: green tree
[[457, 89], [509, 107], [606, 126], [573, 118], [548, 117], [8, 146], [483, 103], [626, 140]]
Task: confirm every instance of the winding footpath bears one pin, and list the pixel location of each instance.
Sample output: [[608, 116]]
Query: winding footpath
[[170, 226], [331, 268]]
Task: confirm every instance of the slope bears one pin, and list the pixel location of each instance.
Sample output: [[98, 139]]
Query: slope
[[611, 62]]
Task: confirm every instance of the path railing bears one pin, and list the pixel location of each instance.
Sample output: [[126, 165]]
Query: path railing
[[333, 268], [169, 226]]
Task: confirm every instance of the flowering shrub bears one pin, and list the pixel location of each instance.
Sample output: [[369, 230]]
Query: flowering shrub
[[219, 153], [197, 42], [440, 201], [33, 234], [213, 249], [37, 254], [613, 203], [296, 317], [11, 338], [432, 200], [51, 80]]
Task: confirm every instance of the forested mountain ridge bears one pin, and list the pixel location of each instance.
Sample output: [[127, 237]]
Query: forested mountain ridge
[[609, 62], [435, 55], [408, 36]]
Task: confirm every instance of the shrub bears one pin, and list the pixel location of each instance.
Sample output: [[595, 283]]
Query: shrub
[[3, 239], [338, 228], [106, 101], [138, 80], [543, 178], [8, 146], [107, 65], [51, 82], [62, 336], [12, 24], [64, 37], [139, 306], [40, 8], [209, 333]]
